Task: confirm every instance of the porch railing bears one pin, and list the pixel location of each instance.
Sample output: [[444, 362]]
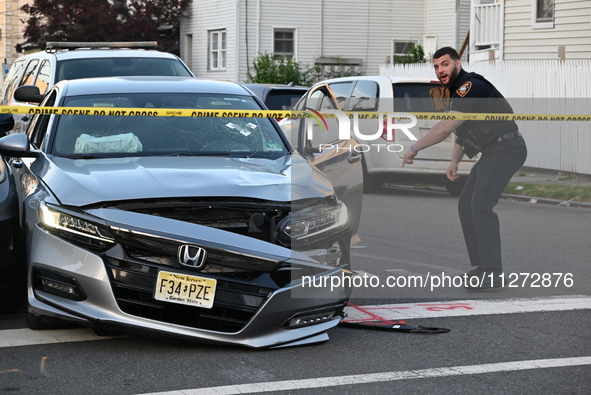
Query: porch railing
[[486, 25]]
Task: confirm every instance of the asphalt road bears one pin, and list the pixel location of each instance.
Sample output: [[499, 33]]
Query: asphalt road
[[404, 233]]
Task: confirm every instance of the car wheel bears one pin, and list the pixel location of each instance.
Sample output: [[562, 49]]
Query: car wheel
[[456, 187], [371, 182], [12, 286], [39, 322]]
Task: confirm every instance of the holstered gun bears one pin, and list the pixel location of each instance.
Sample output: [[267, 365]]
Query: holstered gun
[[468, 141]]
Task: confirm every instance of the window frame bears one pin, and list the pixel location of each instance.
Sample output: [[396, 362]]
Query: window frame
[[217, 57], [286, 55], [542, 23], [393, 52]]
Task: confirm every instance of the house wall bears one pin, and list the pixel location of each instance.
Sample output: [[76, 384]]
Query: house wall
[[449, 21], [572, 29], [11, 32], [440, 22], [203, 16], [365, 30], [263, 17], [352, 29]]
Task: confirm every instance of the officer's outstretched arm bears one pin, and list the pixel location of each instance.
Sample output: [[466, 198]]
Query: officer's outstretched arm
[[437, 134]]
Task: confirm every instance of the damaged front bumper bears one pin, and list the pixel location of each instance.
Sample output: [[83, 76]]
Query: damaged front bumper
[[259, 299]]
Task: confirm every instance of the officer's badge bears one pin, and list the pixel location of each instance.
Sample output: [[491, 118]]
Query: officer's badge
[[464, 89]]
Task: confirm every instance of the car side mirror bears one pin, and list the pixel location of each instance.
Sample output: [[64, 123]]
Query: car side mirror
[[17, 146], [28, 94], [312, 150]]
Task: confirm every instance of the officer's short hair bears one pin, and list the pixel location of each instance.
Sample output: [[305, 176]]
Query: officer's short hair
[[453, 54]]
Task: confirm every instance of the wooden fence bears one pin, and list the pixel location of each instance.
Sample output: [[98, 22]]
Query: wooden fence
[[538, 87]]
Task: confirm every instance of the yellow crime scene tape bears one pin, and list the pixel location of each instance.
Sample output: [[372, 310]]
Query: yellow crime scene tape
[[199, 113]]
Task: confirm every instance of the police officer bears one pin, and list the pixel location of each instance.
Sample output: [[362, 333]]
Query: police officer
[[502, 152]]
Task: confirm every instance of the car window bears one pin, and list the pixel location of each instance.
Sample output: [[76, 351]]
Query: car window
[[112, 135], [29, 75], [38, 125], [322, 100], [72, 69], [414, 97], [43, 77], [283, 99], [341, 91], [319, 100], [364, 97], [11, 81]]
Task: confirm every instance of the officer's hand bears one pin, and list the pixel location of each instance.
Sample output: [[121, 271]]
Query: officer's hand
[[408, 157], [452, 172]]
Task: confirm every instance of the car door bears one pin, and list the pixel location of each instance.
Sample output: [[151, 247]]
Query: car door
[[415, 97], [337, 158]]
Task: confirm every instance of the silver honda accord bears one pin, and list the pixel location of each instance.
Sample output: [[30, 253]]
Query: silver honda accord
[[210, 228]]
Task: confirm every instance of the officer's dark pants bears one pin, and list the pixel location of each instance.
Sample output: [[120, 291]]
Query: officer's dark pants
[[487, 181]]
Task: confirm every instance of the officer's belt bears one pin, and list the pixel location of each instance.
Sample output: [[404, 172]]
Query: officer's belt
[[509, 135]]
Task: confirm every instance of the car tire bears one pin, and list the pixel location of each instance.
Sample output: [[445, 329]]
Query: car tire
[[40, 322], [371, 182], [12, 285], [456, 187]]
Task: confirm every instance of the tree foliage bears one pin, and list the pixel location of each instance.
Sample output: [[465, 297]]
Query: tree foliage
[[270, 70], [104, 20]]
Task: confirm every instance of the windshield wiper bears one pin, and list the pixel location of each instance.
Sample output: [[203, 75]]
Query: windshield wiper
[[206, 153]]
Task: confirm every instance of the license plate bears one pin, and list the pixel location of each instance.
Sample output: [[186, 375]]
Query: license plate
[[185, 289]]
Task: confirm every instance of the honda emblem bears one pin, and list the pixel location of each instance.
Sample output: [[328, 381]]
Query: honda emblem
[[192, 256]]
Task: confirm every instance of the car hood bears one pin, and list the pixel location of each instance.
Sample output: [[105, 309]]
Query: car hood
[[81, 182]]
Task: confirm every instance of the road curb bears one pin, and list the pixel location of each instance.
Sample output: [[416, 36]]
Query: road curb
[[533, 199]]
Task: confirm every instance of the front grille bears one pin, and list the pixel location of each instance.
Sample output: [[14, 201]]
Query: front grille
[[223, 263], [250, 217], [235, 302]]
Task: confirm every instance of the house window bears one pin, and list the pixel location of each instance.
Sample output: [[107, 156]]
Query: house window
[[400, 49], [217, 50], [284, 43], [542, 14], [545, 10]]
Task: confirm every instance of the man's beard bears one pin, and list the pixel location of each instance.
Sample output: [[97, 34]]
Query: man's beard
[[452, 77]]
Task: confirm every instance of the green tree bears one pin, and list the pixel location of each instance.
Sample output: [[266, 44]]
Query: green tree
[[104, 20], [266, 69], [416, 54]]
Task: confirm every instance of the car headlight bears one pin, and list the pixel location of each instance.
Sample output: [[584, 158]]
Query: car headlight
[[75, 229], [312, 223]]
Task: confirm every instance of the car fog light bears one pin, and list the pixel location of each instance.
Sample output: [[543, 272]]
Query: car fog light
[[299, 321], [57, 284], [59, 287]]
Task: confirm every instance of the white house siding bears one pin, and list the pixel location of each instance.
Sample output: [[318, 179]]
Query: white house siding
[[449, 21], [365, 29], [463, 24], [324, 29], [203, 16], [303, 16], [572, 29], [440, 21]]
